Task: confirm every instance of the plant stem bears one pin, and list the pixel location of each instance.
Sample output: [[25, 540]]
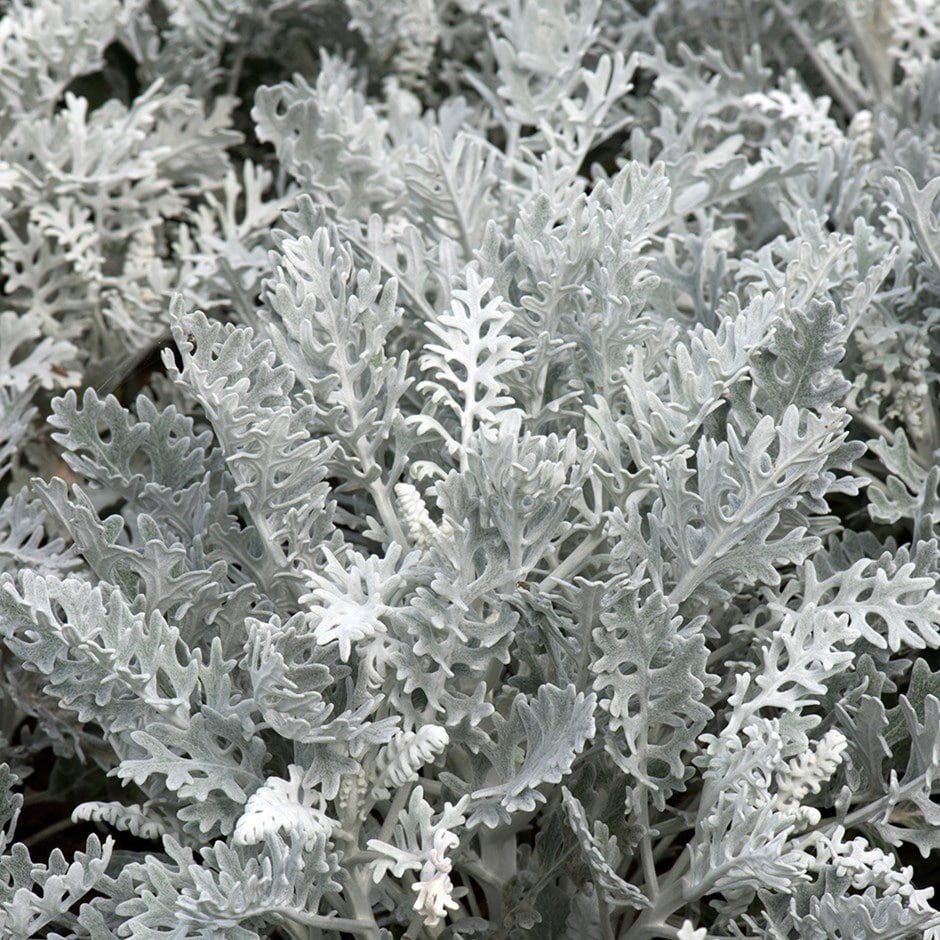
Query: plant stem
[[652, 921], [39, 837], [646, 847], [394, 811], [572, 564], [607, 929], [835, 86], [369, 929]]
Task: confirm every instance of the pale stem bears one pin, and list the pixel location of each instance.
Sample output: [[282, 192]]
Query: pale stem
[[369, 929], [394, 811], [573, 563]]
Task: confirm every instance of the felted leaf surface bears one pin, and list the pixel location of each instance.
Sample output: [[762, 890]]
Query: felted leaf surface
[[102, 661], [536, 744], [650, 677], [886, 601]]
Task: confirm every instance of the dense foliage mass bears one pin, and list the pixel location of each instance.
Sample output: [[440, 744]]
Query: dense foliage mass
[[469, 468]]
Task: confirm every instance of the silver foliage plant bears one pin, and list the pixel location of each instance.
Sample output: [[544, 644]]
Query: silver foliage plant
[[532, 529]]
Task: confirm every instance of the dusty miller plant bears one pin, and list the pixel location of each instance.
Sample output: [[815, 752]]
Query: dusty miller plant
[[531, 525]]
